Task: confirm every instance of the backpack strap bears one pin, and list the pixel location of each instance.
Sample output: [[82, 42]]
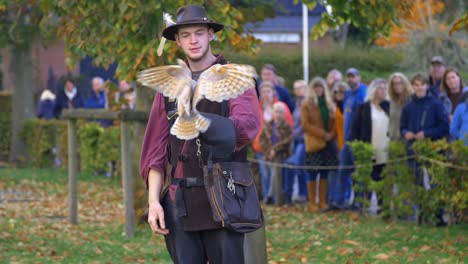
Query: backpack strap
[[171, 110]]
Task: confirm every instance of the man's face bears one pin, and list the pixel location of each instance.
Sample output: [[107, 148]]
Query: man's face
[[437, 71], [268, 75], [299, 90], [97, 86], [420, 88], [332, 78], [353, 81], [194, 40]]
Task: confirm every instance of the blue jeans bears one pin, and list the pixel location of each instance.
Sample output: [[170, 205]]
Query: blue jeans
[[343, 186], [265, 174], [297, 159]]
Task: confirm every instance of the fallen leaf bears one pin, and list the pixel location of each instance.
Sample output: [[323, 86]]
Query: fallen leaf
[[350, 242], [424, 248], [382, 256], [344, 251]]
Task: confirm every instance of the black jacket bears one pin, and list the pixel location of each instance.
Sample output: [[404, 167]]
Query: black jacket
[[361, 128]]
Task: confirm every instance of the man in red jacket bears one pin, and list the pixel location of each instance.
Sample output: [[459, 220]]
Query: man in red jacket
[[184, 215]]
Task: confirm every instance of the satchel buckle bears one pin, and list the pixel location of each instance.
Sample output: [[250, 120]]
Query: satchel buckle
[[230, 184]]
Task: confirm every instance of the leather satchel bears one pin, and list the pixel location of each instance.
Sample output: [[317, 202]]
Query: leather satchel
[[233, 197]]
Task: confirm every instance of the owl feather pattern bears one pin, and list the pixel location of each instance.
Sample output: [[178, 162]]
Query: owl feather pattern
[[217, 83]]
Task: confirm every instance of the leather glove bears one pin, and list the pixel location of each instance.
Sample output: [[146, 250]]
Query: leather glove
[[220, 135]]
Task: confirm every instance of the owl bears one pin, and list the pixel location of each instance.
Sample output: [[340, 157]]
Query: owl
[[217, 83]]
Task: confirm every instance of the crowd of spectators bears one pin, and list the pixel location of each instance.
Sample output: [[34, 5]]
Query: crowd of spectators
[[69, 96], [330, 113]]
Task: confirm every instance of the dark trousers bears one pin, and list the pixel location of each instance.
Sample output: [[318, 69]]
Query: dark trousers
[[216, 246]]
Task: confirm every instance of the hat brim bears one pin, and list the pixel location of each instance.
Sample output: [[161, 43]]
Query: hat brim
[[170, 31]]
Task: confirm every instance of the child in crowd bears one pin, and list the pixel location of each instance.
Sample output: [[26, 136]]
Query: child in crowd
[[275, 140]]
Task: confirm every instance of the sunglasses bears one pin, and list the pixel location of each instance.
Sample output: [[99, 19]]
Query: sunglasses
[[338, 92]]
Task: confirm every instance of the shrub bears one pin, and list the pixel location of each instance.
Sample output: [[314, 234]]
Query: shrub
[[398, 184], [5, 124], [370, 61], [362, 180], [446, 166], [43, 139], [98, 147]]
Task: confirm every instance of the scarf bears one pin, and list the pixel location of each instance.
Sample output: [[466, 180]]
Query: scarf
[[323, 112], [71, 94]]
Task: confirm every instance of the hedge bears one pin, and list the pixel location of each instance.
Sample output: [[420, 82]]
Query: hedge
[[446, 164], [5, 124], [97, 146], [370, 61]]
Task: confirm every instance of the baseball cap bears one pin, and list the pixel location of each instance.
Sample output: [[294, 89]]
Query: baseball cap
[[438, 59], [352, 71]]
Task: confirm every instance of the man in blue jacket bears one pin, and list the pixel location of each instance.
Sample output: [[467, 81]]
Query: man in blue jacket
[[98, 99], [353, 98], [435, 78], [423, 117]]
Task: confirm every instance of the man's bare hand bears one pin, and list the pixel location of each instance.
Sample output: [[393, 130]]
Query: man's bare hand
[[156, 219], [419, 135], [409, 136]]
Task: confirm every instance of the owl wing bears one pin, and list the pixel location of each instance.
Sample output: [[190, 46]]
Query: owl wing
[[224, 82], [170, 80]]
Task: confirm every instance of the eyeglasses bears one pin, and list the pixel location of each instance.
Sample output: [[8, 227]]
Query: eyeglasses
[[338, 92]]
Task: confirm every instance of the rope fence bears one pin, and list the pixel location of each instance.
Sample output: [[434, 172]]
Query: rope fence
[[309, 167]]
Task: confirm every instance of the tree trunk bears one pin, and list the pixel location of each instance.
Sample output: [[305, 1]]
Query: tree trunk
[[343, 35], [144, 101], [21, 69]]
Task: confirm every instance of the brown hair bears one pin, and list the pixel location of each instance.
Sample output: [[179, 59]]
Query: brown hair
[[419, 77], [443, 85]]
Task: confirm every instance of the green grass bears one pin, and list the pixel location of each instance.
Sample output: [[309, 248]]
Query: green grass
[[34, 229]]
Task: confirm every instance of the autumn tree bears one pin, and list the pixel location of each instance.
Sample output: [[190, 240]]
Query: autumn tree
[[423, 33], [419, 17]]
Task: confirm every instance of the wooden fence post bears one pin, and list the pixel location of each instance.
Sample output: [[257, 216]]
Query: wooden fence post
[[127, 178], [72, 171]]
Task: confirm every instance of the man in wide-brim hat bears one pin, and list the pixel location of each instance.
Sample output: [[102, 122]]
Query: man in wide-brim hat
[[184, 215]]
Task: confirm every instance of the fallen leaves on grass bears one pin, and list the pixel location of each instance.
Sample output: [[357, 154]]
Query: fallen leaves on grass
[[382, 256]]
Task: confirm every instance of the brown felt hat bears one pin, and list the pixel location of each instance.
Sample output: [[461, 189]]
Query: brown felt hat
[[190, 15]]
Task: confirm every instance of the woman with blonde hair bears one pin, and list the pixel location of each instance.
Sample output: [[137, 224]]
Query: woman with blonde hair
[[371, 125], [400, 91], [318, 122]]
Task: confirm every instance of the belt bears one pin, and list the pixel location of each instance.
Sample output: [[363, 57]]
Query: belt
[[189, 182]]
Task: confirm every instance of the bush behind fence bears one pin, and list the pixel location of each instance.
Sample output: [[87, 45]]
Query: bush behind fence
[[47, 145], [402, 194]]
